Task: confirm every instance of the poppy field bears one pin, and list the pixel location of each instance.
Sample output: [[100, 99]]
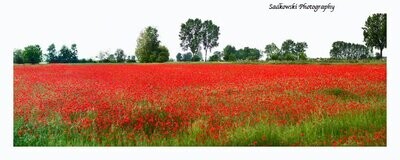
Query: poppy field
[[200, 105]]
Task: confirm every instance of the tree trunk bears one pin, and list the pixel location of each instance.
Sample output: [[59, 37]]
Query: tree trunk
[[380, 54], [205, 58]]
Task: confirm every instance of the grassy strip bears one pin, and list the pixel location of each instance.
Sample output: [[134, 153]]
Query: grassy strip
[[313, 132]]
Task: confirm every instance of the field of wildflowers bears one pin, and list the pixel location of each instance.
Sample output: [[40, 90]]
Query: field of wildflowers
[[200, 105]]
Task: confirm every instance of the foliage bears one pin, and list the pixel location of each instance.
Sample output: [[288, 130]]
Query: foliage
[[210, 35], [120, 56], [131, 59], [344, 50], [190, 35], [148, 47], [290, 50], [273, 51], [217, 56], [32, 54], [74, 54], [196, 58], [179, 57], [194, 33], [52, 56], [111, 58], [250, 54], [163, 54], [18, 56], [187, 57], [84, 60], [375, 32], [229, 53], [67, 55]]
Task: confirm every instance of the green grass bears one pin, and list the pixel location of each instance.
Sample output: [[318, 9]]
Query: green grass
[[342, 94], [312, 132]]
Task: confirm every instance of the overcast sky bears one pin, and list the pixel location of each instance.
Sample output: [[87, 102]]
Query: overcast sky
[[105, 25]]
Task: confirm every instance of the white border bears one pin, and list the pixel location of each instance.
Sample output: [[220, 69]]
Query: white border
[[7, 151]]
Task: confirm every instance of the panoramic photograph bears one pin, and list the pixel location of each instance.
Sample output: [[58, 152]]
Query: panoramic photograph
[[122, 77]]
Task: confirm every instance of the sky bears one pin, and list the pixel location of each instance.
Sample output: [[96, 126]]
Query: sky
[[105, 25]]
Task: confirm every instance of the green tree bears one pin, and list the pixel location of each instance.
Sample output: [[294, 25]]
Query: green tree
[[148, 47], [32, 54], [74, 54], [291, 50], [131, 59], [229, 53], [375, 32], [120, 55], [343, 50], [163, 54], [272, 51], [191, 35], [111, 58], [187, 57], [300, 50], [18, 56], [288, 47], [196, 58], [302, 56], [210, 35], [253, 54], [65, 54], [216, 56], [51, 56], [179, 57]]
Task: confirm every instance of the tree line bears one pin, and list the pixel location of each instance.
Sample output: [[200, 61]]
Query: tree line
[[289, 50], [374, 33], [33, 54], [344, 50], [197, 36]]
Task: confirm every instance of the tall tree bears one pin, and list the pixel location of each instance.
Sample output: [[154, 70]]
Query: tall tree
[[74, 54], [120, 55], [191, 35], [375, 32], [288, 47], [147, 45], [210, 35], [32, 54], [300, 50], [51, 56], [65, 54]]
